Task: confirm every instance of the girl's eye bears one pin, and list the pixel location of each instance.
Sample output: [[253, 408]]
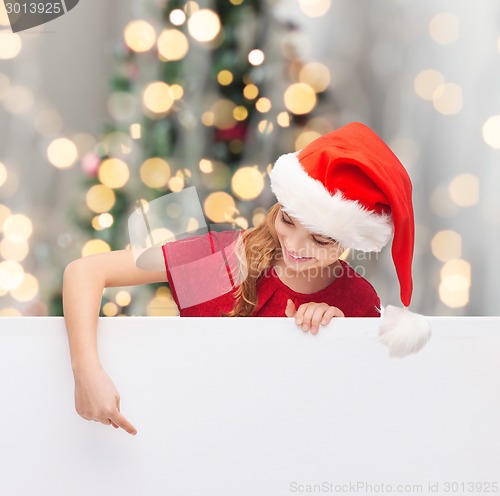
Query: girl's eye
[[322, 243]]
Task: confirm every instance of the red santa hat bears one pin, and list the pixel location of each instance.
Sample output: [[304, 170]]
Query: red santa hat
[[350, 186]]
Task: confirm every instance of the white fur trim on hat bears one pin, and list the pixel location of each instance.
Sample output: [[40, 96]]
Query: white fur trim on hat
[[307, 199]]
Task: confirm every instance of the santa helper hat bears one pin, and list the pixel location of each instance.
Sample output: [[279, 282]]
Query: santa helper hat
[[350, 186]]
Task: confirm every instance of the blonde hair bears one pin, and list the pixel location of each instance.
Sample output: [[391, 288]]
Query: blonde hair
[[261, 245]]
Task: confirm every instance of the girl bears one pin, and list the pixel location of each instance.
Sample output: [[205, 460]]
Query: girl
[[344, 190]]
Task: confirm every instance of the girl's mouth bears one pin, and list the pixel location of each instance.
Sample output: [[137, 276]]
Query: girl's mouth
[[295, 258]]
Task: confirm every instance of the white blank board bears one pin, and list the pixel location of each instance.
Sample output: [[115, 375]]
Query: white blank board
[[253, 406]]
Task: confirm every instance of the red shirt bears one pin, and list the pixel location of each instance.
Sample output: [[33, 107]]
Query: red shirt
[[350, 292]]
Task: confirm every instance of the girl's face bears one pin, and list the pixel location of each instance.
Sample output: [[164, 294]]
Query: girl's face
[[301, 249]]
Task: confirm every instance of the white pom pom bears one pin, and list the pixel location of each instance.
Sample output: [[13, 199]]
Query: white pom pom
[[402, 331]]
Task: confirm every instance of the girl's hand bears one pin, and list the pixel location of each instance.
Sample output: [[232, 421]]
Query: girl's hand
[[311, 315], [96, 398]]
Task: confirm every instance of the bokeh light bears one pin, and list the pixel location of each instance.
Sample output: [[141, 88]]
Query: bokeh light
[[162, 304], [220, 207], [304, 138], [447, 98], [155, 172], [135, 131], [315, 8], [426, 82], [316, 75], [11, 44], [176, 183], [206, 166], [109, 309], [247, 183], [300, 98], [256, 57], [455, 283], [11, 275], [100, 198], [113, 173], [17, 228], [14, 251], [18, 99], [157, 98], [263, 105], [177, 17], [444, 28], [446, 245], [176, 91], [123, 298], [62, 153], [225, 77], [27, 289], [240, 113], [250, 91], [95, 246], [464, 190], [258, 216], [491, 132], [3, 174], [172, 45], [204, 25], [223, 112], [140, 36], [283, 119], [265, 127]]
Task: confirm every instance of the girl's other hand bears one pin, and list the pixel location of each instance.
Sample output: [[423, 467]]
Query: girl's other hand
[[96, 398], [310, 315]]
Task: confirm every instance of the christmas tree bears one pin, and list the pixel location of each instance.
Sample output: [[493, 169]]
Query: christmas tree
[[201, 97]]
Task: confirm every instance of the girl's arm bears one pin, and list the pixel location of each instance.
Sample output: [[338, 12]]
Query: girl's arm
[[83, 284]]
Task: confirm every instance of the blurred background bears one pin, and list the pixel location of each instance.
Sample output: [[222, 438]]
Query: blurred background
[[124, 100]]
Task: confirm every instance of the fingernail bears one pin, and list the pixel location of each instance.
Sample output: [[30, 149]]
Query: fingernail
[[314, 330], [323, 321], [305, 327], [298, 322]]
